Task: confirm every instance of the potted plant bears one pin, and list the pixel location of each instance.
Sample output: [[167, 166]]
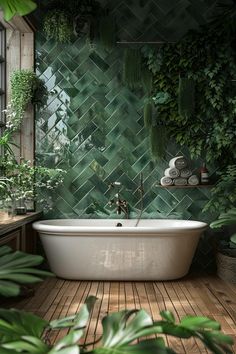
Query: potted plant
[[58, 25], [226, 248], [24, 183], [26, 87]]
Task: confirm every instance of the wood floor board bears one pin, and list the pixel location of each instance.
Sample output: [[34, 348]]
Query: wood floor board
[[197, 295]]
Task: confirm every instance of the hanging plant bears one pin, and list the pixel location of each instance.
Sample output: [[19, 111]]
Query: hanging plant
[[132, 68], [64, 19], [17, 7], [148, 112], [147, 80], [200, 111], [186, 97], [57, 25], [107, 31], [158, 138], [26, 88]]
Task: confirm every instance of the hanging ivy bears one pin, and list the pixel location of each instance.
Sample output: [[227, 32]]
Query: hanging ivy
[[201, 116]]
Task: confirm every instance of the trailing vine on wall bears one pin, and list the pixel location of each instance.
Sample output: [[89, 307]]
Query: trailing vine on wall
[[207, 58]]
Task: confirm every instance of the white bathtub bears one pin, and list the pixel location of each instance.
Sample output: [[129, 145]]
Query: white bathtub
[[97, 249]]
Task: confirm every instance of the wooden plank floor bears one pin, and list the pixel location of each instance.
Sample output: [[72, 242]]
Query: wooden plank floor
[[198, 295]]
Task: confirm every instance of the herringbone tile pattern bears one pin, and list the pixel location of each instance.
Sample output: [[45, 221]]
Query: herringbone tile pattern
[[92, 125]]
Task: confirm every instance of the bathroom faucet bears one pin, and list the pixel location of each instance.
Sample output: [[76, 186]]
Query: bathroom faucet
[[121, 204]]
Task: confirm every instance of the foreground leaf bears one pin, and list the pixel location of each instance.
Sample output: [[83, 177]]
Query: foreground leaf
[[16, 268], [14, 324], [17, 7], [145, 347], [78, 320]]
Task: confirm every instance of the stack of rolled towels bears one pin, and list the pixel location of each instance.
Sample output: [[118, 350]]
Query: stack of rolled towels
[[179, 174]]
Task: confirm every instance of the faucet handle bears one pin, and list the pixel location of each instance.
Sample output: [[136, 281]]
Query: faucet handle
[[111, 202], [114, 184]]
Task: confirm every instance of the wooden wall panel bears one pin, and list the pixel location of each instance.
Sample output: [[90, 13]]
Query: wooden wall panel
[[20, 55], [27, 131], [13, 62]]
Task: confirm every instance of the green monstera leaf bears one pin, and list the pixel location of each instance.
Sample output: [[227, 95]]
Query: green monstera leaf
[[15, 324], [225, 219], [124, 332], [22, 332], [16, 7], [17, 268]]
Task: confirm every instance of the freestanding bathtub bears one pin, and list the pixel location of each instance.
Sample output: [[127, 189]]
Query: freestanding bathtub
[[97, 249]]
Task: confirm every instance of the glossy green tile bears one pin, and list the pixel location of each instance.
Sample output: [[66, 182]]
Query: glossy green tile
[[96, 122]]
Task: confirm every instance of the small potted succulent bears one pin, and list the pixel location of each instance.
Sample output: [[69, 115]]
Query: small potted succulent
[[226, 248]]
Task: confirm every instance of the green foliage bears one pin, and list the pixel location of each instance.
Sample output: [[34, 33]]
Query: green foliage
[[207, 58], [186, 98], [227, 245], [147, 113], [17, 7], [132, 68], [26, 87], [17, 268], [6, 142], [58, 25], [223, 195], [107, 31], [224, 219], [27, 333], [147, 80], [26, 182], [22, 180], [158, 139]]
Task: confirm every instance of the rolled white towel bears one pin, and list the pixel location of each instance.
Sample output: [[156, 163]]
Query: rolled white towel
[[171, 172], [178, 162], [166, 181], [180, 181], [193, 180], [185, 172]]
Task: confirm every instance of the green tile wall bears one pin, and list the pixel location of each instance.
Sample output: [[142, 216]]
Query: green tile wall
[[92, 125]]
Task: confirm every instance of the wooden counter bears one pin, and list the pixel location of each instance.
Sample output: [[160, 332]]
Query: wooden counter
[[18, 232]]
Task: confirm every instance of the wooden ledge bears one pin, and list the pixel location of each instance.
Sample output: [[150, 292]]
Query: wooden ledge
[[19, 221]]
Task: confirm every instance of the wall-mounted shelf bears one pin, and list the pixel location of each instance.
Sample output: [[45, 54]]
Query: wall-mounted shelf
[[188, 186]]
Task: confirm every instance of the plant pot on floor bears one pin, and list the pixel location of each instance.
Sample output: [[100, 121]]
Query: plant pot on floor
[[226, 266]]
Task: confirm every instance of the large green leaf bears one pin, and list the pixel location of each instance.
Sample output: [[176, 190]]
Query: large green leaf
[[200, 322], [23, 333], [77, 321], [144, 347], [224, 219], [8, 288], [17, 7], [70, 350], [233, 239], [14, 324], [5, 250], [15, 268], [124, 327], [30, 345]]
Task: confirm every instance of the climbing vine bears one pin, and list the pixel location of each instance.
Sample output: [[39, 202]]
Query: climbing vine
[[207, 57]]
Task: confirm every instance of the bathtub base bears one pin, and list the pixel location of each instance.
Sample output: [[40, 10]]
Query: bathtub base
[[130, 258]]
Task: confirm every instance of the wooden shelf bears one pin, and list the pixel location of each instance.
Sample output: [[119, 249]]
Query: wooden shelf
[[18, 221], [187, 186]]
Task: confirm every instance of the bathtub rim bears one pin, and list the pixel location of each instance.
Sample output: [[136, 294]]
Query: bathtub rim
[[43, 228]]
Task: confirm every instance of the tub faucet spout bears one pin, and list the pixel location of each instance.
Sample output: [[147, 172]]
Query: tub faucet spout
[[121, 205]]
